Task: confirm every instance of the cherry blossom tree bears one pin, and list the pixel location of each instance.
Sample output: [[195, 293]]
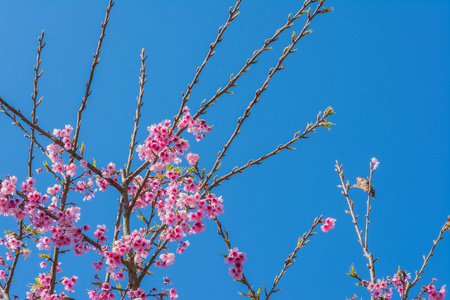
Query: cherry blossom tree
[[164, 195]]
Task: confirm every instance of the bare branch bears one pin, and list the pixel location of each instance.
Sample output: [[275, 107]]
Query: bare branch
[[253, 60], [309, 129], [142, 81], [288, 50], [345, 188], [427, 258], [35, 102], [91, 75], [291, 258], [233, 13]]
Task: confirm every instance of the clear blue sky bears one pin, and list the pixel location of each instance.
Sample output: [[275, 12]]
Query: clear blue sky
[[382, 65]]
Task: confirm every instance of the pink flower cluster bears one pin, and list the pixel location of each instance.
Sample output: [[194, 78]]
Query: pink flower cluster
[[8, 205], [64, 134], [237, 258], [374, 163], [380, 290], [192, 158], [172, 192], [105, 292], [399, 281], [134, 241], [138, 294], [41, 290], [166, 259], [328, 224], [159, 145], [69, 283], [197, 127], [434, 294]]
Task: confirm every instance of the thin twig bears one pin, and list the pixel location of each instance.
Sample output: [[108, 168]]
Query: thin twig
[[91, 76], [142, 81], [252, 60], [366, 237], [233, 13], [15, 260], [288, 50], [309, 129], [345, 188], [18, 124], [426, 259], [291, 258], [224, 234], [37, 74]]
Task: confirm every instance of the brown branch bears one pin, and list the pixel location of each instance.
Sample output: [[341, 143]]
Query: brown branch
[[153, 258], [91, 76], [16, 123], [4, 293], [423, 289], [224, 234], [37, 74], [233, 13], [309, 129], [57, 141], [252, 60], [426, 259], [288, 50], [345, 188], [15, 260], [142, 81], [116, 233], [291, 258], [368, 206], [55, 257]]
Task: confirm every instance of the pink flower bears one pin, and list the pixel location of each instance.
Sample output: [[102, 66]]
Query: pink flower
[[173, 294], [328, 224], [237, 258], [374, 163], [157, 167], [433, 294], [166, 260], [83, 163], [192, 158]]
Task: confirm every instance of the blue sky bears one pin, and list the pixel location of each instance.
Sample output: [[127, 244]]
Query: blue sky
[[382, 65]]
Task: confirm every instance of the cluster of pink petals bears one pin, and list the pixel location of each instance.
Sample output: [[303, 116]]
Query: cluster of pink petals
[[173, 294], [8, 205], [166, 259], [69, 283], [434, 294], [104, 294], [197, 127], [380, 290], [173, 193], [328, 224], [138, 294], [134, 241], [182, 247], [65, 135], [374, 163], [399, 282], [99, 234], [237, 258], [192, 158], [163, 145], [106, 173], [41, 290]]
